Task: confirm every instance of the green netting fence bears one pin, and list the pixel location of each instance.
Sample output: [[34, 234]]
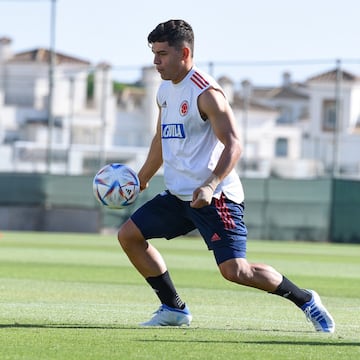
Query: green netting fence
[[279, 209]]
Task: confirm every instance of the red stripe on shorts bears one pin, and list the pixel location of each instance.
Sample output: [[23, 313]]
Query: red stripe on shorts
[[224, 213]]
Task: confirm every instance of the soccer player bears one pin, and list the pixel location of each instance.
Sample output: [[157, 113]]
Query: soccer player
[[197, 143]]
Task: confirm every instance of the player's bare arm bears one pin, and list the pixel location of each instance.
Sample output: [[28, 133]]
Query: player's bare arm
[[154, 159], [213, 106]]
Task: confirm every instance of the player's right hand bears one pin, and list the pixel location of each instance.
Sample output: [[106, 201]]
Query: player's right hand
[[202, 196]]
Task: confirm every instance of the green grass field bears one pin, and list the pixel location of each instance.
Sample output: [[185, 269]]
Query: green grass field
[[76, 296]]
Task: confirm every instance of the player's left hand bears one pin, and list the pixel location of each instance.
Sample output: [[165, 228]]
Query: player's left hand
[[202, 196]]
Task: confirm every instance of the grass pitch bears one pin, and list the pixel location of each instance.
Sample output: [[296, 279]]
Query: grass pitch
[[76, 296]]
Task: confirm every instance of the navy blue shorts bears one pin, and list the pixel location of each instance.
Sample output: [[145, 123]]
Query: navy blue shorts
[[220, 224]]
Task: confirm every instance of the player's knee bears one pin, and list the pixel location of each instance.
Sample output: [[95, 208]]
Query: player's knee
[[232, 275], [124, 236], [228, 275], [128, 235], [235, 272]]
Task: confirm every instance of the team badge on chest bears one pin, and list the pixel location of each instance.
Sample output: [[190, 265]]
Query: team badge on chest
[[184, 108]]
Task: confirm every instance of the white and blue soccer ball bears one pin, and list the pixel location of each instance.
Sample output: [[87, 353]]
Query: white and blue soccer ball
[[116, 186]]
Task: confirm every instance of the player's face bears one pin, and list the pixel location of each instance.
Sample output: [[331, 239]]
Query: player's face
[[169, 61]]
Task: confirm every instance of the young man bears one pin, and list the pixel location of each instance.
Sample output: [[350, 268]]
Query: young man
[[197, 142]]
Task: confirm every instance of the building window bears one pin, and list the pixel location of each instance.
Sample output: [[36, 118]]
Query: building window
[[329, 115], [281, 147], [286, 115]]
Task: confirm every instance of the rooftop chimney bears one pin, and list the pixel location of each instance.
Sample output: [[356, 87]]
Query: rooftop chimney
[[5, 49], [286, 79]]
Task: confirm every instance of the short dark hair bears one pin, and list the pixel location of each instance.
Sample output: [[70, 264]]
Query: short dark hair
[[175, 32]]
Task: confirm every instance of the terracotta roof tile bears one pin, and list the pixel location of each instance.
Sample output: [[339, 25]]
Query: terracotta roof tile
[[239, 103], [331, 76], [288, 93], [43, 55]]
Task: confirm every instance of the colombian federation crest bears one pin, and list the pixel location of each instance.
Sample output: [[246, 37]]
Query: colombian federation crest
[[184, 108]]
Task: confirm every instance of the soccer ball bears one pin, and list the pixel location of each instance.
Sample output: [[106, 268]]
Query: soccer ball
[[116, 186]]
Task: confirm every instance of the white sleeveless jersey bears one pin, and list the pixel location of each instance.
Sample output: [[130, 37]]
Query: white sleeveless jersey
[[189, 146]]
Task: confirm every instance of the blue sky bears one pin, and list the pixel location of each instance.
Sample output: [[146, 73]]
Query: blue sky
[[275, 36]]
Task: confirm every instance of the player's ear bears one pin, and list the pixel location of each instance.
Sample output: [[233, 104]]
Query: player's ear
[[186, 53]]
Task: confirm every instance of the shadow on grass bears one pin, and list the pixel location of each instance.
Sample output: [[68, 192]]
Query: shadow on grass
[[331, 342], [259, 342], [65, 326]]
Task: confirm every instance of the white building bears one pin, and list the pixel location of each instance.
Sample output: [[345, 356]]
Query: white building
[[24, 111], [307, 118], [336, 145], [287, 131]]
